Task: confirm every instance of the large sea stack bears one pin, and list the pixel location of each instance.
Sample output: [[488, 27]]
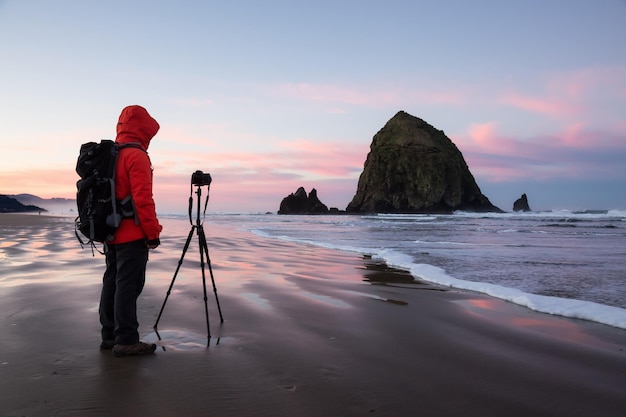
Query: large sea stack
[[414, 168]]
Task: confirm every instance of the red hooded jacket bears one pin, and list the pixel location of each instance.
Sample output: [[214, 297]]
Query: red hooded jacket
[[133, 175]]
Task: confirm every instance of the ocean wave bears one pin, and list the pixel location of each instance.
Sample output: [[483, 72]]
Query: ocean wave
[[586, 310], [573, 308]]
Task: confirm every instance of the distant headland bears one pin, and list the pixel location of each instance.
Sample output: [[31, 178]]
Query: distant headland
[[28, 203], [10, 204]]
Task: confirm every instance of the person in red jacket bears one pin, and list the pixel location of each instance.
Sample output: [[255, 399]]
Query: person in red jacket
[[127, 253]]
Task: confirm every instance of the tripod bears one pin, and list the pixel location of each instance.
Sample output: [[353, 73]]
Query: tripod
[[204, 251]]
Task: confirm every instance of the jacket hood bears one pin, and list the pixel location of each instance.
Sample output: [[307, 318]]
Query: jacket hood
[[136, 125]]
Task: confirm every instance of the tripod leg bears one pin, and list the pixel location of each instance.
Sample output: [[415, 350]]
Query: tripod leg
[[202, 243], [180, 262], [203, 246]]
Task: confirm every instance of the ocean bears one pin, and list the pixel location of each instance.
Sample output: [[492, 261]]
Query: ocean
[[568, 263]]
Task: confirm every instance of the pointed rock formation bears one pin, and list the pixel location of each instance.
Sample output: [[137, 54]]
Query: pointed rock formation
[[300, 203], [414, 168], [521, 204]]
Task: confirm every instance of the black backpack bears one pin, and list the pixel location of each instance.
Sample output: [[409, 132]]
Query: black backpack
[[99, 213]]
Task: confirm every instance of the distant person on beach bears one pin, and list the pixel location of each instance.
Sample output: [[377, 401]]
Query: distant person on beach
[[127, 254]]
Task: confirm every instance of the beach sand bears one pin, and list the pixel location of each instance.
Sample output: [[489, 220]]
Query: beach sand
[[306, 332]]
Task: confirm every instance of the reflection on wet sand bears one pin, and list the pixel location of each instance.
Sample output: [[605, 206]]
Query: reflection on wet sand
[[307, 332]]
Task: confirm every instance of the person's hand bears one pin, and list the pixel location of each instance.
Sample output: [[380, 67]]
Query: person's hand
[[153, 243]]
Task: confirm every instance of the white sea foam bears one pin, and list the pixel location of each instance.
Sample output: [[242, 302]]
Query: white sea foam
[[586, 310], [552, 262]]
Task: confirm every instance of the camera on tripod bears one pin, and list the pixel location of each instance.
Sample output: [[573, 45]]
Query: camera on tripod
[[199, 178]]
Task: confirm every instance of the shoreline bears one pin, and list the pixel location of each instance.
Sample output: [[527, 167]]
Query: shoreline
[[591, 311], [307, 332]]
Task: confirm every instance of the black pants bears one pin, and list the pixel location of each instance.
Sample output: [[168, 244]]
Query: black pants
[[122, 283]]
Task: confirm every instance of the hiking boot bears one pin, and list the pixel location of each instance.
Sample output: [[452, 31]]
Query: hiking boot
[[139, 348], [107, 344]]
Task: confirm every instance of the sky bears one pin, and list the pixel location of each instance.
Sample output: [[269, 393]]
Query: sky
[[274, 95]]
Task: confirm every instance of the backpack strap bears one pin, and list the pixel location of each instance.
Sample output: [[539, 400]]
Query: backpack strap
[[90, 241], [127, 205], [135, 145]]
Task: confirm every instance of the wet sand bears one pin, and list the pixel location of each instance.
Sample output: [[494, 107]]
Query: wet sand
[[306, 332]]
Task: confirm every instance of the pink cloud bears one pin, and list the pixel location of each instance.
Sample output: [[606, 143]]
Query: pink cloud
[[484, 136], [308, 158], [378, 96], [43, 182], [591, 91], [257, 181], [560, 95], [546, 106], [257, 189], [574, 152], [333, 93], [584, 82]]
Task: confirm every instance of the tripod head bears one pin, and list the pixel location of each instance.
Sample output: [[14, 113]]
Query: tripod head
[[199, 179]]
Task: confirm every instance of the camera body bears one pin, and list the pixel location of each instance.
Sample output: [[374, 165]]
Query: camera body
[[199, 178]]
